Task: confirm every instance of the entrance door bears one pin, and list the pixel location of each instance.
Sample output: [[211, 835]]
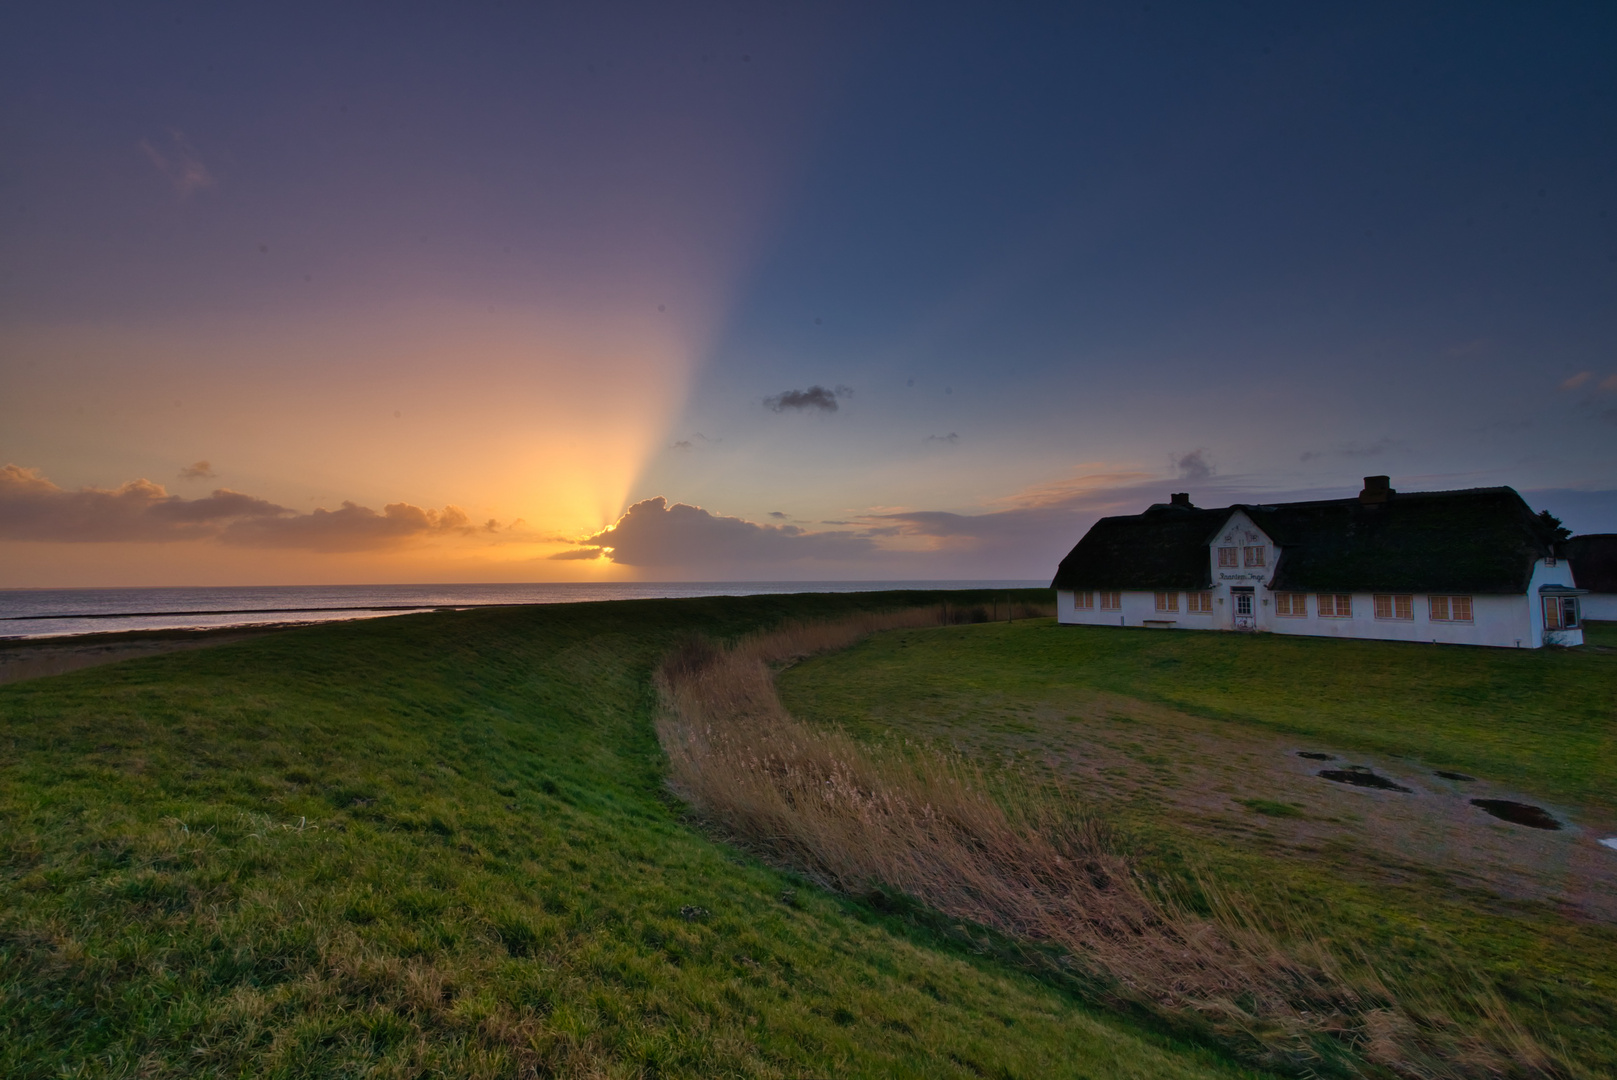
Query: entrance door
[[1245, 617]]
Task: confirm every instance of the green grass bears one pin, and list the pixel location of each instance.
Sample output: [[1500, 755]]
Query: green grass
[[1538, 719], [440, 845], [1543, 723]]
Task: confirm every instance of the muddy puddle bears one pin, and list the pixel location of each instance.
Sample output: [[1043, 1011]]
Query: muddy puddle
[[1534, 817], [1359, 776]]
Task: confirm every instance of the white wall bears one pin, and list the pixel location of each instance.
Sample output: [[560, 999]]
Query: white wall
[[1495, 620], [1139, 609], [1510, 621], [1601, 606]]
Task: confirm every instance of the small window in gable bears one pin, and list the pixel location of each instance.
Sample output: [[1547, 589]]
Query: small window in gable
[[1228, 557], [1253, 555]]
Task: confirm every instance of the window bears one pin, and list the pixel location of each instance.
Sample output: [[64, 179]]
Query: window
[[1549, 561], [1293, 605], [1394, 606], [1560, 612], [1227, 556], [1083, 600], [1253, 555], [1335, 606], [1449, 608], [1111, 601], [1200, 603], [1167, 601]]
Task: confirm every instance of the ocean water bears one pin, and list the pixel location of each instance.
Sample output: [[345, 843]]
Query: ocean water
[[31, 613]]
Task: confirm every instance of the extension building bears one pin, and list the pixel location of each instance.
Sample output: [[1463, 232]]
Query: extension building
[[1594, 567], [1473, 567]]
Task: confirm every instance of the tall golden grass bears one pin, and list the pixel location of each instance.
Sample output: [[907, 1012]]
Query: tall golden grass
[[1031, 861]]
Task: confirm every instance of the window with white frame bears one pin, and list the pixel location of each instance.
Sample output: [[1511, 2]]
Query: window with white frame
[[1253, 556], [1448, 608], [1293, 605], [1167, 601], [1229, 557], [1395, 606], [1111, 601], [1560, 612], [1335, 605], [1199, 603], [1083, 600]]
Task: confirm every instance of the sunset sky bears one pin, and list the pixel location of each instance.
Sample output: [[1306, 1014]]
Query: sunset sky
[[420, 293]]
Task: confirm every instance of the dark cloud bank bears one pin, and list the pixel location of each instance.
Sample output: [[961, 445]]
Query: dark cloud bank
[[34, 508], [653, 533], [815, 397]]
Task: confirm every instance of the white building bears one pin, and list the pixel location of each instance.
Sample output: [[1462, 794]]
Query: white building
[[1594, 566], [1473, 567]]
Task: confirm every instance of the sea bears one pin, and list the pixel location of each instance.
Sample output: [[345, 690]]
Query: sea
[[39, 613]]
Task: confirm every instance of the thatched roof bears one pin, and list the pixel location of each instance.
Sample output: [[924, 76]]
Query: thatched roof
[[1481, 540], [1594, 561]]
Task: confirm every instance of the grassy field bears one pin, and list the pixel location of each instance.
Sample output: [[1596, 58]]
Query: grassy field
[[1189, 742], [441, 845]]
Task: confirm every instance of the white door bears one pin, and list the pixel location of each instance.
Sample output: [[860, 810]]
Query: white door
[[1245, 617]]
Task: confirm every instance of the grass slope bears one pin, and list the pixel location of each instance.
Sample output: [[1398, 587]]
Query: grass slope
[[438, 845], [1544, 722]]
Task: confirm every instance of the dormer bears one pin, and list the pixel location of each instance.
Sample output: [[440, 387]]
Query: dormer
[[1242, 552]]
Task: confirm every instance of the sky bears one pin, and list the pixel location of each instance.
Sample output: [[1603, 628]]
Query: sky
[[400, 292]]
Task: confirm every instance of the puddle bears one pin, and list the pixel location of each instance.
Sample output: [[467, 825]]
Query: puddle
[[1453, 775], [1315, 755], [1359, 776], [1517, 813]]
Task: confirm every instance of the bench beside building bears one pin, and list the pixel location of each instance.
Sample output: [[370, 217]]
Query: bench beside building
[[1472, 567]]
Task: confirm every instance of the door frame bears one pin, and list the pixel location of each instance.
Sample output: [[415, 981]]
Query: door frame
[[1249, 621]]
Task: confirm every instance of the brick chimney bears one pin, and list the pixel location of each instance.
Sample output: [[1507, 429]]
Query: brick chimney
[[1179, 498], [1376, 490]]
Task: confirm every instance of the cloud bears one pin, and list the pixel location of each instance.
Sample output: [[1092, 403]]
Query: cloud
[[1357, 449], [199, 470], [695, 442], [1574, 381], [779, 515], [1193, 466], [1609, 382], [181, 165], [653, 533], [1035, 527], [350, 528], [950, 438], [815, 397], [34, 508]]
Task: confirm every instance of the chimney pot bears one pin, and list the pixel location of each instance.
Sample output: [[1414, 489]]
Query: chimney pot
[[1179, 498], [1377, 489]]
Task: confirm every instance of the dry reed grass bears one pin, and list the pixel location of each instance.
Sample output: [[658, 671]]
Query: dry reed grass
[[984, 846]]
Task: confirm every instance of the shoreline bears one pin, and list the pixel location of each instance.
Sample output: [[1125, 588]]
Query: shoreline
[[34, 658]]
